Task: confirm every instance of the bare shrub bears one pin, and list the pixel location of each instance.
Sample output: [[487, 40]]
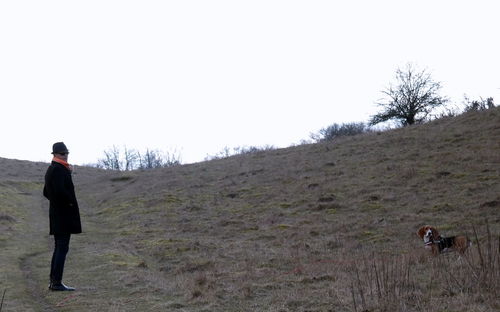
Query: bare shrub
[[112, 159], [239, 150], [381, 281], [156, 159], [478, 105], [132, 159], [448, 111], [338, 130]]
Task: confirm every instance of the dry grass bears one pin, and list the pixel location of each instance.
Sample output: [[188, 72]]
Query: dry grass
[[426, 283], [322, 227]]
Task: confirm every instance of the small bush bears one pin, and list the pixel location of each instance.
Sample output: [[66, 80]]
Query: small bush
[[338, 130], [239, 150], [478, 105]]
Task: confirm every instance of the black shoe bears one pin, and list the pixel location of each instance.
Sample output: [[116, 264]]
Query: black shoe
[[60, 287]]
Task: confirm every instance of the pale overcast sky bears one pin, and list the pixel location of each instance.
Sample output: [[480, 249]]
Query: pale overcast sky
[[197, 76]]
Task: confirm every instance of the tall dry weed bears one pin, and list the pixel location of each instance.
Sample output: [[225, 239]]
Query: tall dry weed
[[412, 283], [381, 281], [3, 297]]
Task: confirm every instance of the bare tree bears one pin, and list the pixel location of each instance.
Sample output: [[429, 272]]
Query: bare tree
[[156, 159], [171, 159], [132, 159], [111, 160], [411, 99], [151, 159]]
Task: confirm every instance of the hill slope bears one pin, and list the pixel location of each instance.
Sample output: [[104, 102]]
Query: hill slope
[[296, 229]]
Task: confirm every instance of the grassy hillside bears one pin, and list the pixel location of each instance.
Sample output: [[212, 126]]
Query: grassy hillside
[[322, 227]]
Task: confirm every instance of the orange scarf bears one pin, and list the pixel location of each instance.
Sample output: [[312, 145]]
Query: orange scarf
[[62, 162]]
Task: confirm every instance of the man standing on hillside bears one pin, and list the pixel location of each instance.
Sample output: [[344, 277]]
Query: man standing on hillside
[[64, 214]]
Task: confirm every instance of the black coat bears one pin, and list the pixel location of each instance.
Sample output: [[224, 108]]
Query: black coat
[[64, 214]]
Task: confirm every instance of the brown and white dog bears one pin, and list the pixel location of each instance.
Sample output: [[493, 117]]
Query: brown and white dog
[[437, 244]]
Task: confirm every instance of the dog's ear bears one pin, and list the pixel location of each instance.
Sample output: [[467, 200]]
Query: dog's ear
[[421, 231]]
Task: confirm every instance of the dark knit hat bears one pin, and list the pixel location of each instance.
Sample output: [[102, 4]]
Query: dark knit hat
[[58, 148]]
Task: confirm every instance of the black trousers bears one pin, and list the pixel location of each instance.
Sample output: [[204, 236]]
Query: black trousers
[[61, 248]]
